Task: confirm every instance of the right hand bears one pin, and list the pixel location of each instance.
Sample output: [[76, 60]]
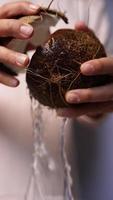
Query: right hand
[[91, 104], [10, 27]]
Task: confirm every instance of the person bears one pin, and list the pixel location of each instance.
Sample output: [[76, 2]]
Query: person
[[92, 143], [98, 66]]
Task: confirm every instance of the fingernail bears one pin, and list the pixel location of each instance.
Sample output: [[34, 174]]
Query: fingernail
[[33, 7], [87, 68], [21, 59], [72, 97], [26, 29]]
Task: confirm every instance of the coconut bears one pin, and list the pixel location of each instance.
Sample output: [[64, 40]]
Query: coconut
[[55, 67]]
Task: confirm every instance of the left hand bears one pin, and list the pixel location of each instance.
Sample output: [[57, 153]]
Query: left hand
[[14, 28], [91, 101]]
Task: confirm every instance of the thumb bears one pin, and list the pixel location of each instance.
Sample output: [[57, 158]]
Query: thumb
[[81, 26]]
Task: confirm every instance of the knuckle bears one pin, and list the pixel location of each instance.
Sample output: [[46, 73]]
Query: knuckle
[[1, 9], [88, 95], [24, 5], [99, 66], [6, 10], [6, 56], [11, 25]]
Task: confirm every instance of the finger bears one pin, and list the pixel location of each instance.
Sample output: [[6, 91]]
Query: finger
[[86, 109], [81, 26], [96, 94], [15, 28], [85, 119], [8, 80], [18, 8], [98, 66], [13, 58]]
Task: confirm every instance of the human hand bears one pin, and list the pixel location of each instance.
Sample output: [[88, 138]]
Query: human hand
[[91, 102], [11, 27]]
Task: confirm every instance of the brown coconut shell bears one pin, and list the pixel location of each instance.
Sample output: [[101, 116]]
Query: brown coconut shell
[[55, 67]]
